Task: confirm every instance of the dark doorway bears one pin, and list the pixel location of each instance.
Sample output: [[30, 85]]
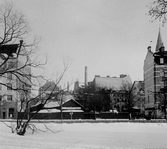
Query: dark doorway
[[4, 115], [11, 112]]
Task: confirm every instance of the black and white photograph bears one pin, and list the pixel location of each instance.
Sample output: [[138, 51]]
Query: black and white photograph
[[83, 74]]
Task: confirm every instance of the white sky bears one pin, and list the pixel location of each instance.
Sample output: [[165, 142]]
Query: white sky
[[110, 37]]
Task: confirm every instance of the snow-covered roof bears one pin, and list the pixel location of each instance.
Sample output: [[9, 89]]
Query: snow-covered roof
[[49, 111], [73, 110], [51, 104], [112, 82]]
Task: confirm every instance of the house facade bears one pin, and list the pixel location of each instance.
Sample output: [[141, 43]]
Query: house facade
[[118, 97], [154, 64], [10, 99], [61, 106]]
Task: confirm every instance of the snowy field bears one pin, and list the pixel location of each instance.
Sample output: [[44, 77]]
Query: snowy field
[[88, 136]]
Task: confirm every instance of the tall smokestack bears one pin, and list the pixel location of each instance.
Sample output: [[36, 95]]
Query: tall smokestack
[[68, 86], [86, 81]]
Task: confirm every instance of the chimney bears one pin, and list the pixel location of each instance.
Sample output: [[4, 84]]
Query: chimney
[[86, 81], [21, 42], [68, 86], [149, 48], [122, 75], [20, 45], [97, 75]]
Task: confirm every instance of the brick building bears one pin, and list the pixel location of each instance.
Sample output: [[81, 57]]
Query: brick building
[[154, 64]]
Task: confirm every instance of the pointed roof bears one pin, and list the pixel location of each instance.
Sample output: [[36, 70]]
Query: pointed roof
[[159, 42]]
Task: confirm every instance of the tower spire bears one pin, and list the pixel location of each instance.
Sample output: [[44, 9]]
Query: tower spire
[[159, 42]]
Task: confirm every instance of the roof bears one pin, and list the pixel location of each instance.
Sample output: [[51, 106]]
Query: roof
[[49, 111], [11, 50], [52, 104], [148, 61], [159, 42], [111, 82], [57, 104]]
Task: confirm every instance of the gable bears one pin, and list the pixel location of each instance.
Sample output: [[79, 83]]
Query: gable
[[71, 103], [149, 61]]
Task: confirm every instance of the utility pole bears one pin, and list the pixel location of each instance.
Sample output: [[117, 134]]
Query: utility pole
[[129, 101]]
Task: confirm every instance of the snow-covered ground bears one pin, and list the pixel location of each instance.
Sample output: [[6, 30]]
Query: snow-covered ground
[[88, 136]]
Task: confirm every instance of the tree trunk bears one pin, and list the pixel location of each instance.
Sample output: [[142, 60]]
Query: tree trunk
[[22, 129], [130, 115]]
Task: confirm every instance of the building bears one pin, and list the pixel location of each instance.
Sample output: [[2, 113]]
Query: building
[[48, 88], [10, 99], [118, 96], [154, 64], [80, 86], [61, 106], [108, 82], [139, 98]]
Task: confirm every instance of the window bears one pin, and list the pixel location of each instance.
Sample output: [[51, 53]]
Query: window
[[161, 60], [165, 73], [0, 97], [148, 99], [9, 97], [11, 112], [9, 86], [9, 76]]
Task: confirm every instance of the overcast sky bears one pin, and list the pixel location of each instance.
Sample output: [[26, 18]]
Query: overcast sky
[[110, 37]]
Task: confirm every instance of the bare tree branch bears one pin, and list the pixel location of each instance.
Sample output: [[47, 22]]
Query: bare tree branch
[[158, 10]]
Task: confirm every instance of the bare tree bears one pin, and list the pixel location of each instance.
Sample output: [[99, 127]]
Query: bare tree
[[158, 10], [18, 60], [129, 91], [27, 107], [161, 103]]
